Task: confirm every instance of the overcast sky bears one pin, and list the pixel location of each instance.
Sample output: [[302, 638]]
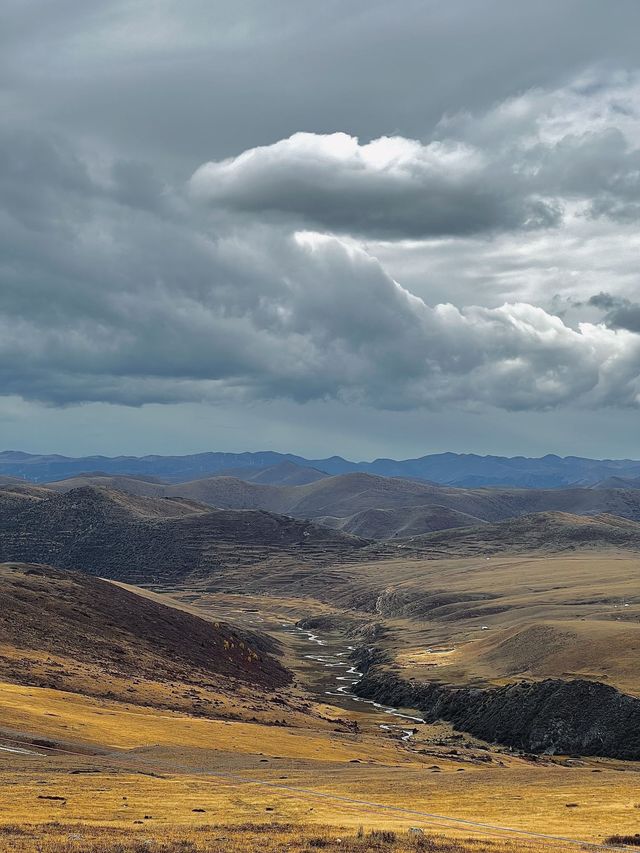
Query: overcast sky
[[363, 228]]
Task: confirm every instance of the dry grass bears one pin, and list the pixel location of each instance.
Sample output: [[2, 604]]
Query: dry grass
[[68, 717], [243, 838], [589, 602], [182, 788], [158, 787]]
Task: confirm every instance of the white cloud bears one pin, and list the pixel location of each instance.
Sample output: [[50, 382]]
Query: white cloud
[[392, 186], [515, 167], [117, 287]]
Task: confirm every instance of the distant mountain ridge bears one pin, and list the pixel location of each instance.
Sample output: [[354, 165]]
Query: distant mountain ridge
[[452, 469]]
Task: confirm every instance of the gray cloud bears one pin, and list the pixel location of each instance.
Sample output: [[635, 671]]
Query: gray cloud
[[516, 167], [389, 188], [200, 79], [492, 186], [132, 298], [620, 313]]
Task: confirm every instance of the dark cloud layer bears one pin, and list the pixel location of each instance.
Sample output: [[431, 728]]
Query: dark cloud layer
[[620, 313], [118, 289], [191, 80], [204, 203]]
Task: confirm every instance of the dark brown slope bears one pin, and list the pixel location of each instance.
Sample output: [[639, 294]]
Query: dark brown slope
[[552, 716], [544, 531], [153, 540], [91, 621], [16, 497]]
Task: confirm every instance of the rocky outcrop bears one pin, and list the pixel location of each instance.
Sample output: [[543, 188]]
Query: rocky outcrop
[[552, 716]]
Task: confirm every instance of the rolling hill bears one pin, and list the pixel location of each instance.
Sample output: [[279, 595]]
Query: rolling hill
[[70, 633], [149, 540], [400, 522], [544, 531], [381, 507], [89, 620], [285, 473]]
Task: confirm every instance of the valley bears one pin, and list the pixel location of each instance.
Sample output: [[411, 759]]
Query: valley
[[319, 398], [186, 672]]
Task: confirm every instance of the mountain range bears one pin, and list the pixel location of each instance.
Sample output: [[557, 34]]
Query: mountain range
[[454, 469]]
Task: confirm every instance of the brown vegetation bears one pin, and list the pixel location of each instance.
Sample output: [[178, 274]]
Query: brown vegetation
[[243, 838], [145, 539]]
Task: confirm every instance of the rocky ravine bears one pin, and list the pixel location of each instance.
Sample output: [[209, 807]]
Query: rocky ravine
[[552, 716]]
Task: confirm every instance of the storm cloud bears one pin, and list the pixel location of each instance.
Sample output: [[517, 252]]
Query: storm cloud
[[391, 187], [620, 313], [199, 206], [135, 297], [515, 167]]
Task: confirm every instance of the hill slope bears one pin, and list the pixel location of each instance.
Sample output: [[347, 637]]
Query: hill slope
[[147, 540], [285, 473], [68, 631], [383, 507], [539, 531], [400, 522], [88, 619]]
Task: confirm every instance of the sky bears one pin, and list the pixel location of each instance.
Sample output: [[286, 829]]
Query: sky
[[363, 228]]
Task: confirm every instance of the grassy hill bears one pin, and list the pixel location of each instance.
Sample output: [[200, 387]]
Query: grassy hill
[[149, 539], [547, 531], [380, 507], [70, 631], [382, 523]]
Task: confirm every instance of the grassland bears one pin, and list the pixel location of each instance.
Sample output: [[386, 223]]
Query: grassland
[[243, 838], [176, 774], [504, 617], [287, 770]]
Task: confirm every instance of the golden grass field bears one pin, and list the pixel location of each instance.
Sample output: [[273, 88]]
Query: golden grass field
[[164, 769], [138, 777], [242, 838]]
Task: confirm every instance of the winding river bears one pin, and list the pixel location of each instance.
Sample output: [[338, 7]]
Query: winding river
[[346, 676]]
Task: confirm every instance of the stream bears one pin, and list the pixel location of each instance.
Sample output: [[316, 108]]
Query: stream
[[346, 676]]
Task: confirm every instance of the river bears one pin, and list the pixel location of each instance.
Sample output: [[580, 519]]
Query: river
[[345, 675]]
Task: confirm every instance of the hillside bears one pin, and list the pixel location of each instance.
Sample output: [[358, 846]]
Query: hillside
[[546, 531], [401, 522], [70, 631], [381, 507], [89, 619], [618, 483], [551, 716], [148, 539], [16, 496], [285, 473]]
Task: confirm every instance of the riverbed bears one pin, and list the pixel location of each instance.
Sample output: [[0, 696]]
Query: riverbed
[[335, 660]]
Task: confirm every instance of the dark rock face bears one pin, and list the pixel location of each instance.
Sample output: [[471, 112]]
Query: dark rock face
[[552, 716]]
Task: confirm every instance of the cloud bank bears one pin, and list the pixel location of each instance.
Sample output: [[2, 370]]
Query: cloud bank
[[519, 166], [256, 281]]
